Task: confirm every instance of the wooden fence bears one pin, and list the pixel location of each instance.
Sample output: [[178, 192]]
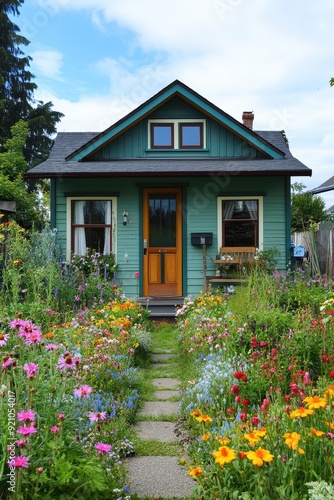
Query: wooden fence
[[320, 247]]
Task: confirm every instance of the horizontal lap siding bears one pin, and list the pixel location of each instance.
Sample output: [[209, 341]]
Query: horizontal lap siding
[[201, 215]]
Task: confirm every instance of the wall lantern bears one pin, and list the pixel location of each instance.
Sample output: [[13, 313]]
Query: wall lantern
[[125, 218]]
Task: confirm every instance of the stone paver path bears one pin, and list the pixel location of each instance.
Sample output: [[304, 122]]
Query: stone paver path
[[159, 476]]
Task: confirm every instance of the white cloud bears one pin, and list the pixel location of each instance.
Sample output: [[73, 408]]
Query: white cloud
[[48, 63]]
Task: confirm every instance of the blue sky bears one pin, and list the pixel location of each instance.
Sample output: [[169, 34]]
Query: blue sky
[[96, 60]]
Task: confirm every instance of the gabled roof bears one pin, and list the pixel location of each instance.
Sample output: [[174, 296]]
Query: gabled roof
[[325, 186], [72, 152]]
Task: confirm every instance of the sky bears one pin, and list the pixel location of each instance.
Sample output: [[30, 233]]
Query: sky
[[97, 60]]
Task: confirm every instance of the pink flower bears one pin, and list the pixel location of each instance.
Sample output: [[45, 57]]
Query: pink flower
[[20, 462], [8, 362], [3, 339], [97, 417], [83, 391], [54, 429], [40, 469], [61, 416], [68, 362], [21, 443], [16, 323], [33, 337], [26, 416], [51, 347], [102, 448], [26, 431], [26, 328], [136, 275], [31, 369]]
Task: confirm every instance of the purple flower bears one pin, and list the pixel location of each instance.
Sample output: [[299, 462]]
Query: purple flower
[[84, 391], [26, 416], [31, 369], [97, 416], [102, 448], [26, 431], [3, 339], [20, 462]]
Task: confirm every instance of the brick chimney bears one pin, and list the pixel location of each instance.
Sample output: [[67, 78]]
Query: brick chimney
[[248, 118]]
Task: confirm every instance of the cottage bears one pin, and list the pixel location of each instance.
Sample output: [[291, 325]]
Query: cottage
[[174, 177]]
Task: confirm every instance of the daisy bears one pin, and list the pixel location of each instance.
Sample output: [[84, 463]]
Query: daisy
[[33, 337], [97, 417], [67, 363], [315, 402], [224, 455], [301, 412], [8, 362], [84, 391], [51, 347], [259, 456], [102, 448]]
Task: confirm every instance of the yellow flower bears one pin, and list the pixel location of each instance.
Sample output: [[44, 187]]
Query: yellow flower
[[291, 439], [204, 418], [301, 412], [317, 433], [330, 392], [223, 440], [196, 471], [301, 451], [315, 402], [259, 456], [224, 455], [205, 437], [330, 425], [195, 413], [255, 436]]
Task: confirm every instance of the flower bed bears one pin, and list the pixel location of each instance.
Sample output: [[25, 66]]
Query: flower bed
[[68, 396], [260, 406]]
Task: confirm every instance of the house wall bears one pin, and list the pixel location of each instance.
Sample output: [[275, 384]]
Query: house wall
[[200, 215]]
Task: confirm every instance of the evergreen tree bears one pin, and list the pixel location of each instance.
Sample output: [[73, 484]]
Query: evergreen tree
[[17, 90], [306, 209]]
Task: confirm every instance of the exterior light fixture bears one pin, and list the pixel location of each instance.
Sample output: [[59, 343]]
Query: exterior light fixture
[[125, 218]]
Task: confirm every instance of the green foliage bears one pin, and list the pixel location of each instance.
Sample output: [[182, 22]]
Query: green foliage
[[306, 209], [17, 91], [12, 185]]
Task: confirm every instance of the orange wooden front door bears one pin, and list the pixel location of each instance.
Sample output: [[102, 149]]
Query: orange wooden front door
[[162, 233]]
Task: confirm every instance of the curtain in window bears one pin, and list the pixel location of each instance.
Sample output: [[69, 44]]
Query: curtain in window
[[79, 233], [107, 215], [228, 209], [252, 208]]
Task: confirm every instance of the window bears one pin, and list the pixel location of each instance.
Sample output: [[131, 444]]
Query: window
[[240, 221], [191, 135], [176, 134], [91, 225], [162, 135]]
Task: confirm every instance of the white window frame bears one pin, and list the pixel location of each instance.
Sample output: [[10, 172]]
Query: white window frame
[[176, 131], [220, 199], [113, 200]]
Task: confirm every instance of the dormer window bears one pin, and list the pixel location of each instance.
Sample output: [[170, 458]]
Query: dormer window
[[176, 134]]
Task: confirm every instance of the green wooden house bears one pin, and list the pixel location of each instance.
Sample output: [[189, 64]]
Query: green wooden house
[[174, 177]]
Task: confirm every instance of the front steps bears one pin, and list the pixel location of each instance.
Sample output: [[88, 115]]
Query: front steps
[[162, 308]]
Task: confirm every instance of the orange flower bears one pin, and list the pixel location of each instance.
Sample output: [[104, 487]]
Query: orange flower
[[255, 436], [195, 413], [301, 412], [223, 440], [48, 335], [330, 425], [224, 455], [330, 392], [204, 418], [315, 402], [196, 471], [259, 456], [292, 439], [205, 436], [317, 433]]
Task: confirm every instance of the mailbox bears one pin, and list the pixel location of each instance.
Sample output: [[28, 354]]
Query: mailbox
[[200, 239]]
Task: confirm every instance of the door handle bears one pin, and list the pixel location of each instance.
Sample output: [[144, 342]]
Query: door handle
[[145, 246]]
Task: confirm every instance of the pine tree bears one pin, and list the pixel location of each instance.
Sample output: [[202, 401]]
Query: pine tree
[[17, 90]]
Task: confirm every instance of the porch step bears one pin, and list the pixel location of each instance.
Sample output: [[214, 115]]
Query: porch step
[[161, 307]]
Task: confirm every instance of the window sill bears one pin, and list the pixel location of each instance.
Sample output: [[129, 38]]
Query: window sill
[[176, 151]]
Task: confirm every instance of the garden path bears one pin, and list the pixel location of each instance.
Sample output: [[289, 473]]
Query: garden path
[[160, 476]]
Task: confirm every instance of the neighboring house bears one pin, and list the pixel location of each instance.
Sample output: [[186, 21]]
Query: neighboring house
[[324, 187], [175, 166]]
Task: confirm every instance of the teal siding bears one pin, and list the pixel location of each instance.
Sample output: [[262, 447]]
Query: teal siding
[[133, 142], [201, 215]]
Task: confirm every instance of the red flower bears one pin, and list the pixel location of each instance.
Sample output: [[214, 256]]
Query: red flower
[[245, 402], [331, 374], [243, 417], [240, 375], [235, 389], [255, 420], [242, 454]]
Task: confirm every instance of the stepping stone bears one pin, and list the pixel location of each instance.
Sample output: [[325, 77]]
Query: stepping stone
[[161, 431], [161, 357], [164, 366], [159, 477], [166, 383], [164, 395], [157, 408]]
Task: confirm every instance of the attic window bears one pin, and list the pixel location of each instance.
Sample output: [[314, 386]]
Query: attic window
[[191, 135], [176, 134], [162, 135]]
